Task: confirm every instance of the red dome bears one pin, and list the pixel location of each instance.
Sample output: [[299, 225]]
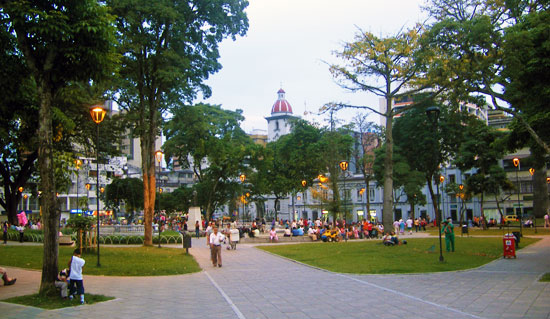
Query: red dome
[[281, 105]]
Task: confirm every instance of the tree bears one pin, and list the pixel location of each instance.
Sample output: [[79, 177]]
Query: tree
[[209, 140], [335, 146], [409, 180], [391, 68], [60, 42], [169, 48], [481, 150], [369, 139], [495, 50], [127, 190], [425, 146]]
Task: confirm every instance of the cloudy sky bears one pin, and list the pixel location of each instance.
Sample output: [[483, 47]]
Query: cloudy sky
[[289, 43]]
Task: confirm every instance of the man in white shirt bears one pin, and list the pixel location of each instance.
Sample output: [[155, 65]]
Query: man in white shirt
[[216, 240], [75, 275]]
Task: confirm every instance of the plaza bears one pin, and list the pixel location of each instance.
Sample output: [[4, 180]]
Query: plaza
[[256, 284]]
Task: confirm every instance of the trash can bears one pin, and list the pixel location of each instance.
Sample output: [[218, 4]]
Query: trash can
[[465, 229], [509, 246], [517, 234], [186, 242]]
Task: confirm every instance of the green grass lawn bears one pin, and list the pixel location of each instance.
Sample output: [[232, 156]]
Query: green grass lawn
[[127, 261], [545, 277], [418, 256], [55, 302]]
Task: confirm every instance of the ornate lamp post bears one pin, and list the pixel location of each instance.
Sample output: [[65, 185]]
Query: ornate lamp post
[[158, 156], [344, 168], [520, 215], [98, 114], [433, 115]]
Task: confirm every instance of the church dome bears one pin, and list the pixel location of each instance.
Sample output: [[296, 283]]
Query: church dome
[[281, 105]]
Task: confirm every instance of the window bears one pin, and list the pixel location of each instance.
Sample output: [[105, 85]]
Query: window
[[371, 195], [359, 195], [276, 125]]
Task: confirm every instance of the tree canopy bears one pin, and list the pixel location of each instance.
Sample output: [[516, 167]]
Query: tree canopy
[[169, 49]]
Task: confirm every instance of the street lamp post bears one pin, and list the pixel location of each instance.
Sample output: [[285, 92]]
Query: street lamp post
[[433, 115], [20, 189], [344, 168], [532, 172], [242, 177], [158, 156], [441, 180], [518, 165], [87, 194], [304, 185], [98, 114], [77, 163]]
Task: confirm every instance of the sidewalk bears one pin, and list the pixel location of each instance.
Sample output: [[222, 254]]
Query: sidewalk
[[256, 284]]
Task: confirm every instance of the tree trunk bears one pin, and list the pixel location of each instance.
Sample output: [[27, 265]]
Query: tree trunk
[[50, 211], [540, 193], [149, 183], [484, 223], [387, 214]]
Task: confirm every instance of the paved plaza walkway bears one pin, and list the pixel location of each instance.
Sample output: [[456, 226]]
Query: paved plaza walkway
[[255, 284]]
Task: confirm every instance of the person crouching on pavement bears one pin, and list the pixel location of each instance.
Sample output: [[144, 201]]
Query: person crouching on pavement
[[216, 240]]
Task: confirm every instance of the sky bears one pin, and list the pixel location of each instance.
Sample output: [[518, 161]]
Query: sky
[[289, 45]]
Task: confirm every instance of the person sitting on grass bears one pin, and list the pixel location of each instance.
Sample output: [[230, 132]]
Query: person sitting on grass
[[7, 280], [387, 239]]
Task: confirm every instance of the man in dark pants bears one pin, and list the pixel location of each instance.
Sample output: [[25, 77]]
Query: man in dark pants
[[216, 240]]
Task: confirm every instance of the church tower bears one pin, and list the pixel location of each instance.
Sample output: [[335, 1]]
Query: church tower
[[278, 124]]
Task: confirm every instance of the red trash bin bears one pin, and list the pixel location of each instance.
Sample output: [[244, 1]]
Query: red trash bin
[[509, 246]]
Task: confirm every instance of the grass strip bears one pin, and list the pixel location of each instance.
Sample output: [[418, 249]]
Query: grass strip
[[545, 277], [115, 261], [420, 255]]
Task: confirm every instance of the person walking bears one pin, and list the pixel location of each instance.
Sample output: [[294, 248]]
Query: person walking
[[216, 240], [547, 220], [197, 229], [448, 230], [5, 231]]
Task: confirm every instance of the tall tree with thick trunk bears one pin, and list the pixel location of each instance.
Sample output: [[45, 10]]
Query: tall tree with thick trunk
[[169, 48], [60, 42], [390, 68]]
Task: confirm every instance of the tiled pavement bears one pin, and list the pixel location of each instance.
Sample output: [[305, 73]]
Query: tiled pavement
[[255, 284]]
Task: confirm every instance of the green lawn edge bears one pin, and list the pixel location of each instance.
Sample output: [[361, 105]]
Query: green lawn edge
[[115, 261], [420, 255], [55, 302], [545, 277]]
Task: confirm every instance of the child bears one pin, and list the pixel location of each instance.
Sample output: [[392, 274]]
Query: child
[[273, 235], [75, 276]]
